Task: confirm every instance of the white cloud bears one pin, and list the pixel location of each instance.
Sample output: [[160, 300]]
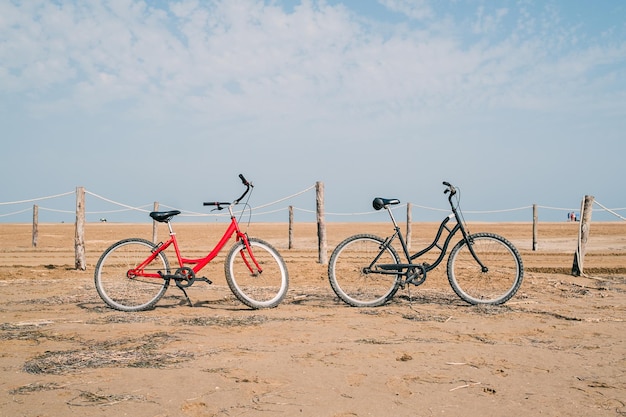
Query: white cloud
[[488, 23], [347, 85], [414, 9], [249, 57]]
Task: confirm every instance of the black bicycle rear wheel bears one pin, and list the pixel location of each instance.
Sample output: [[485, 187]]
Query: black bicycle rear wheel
[[495, 284], [350, 277]]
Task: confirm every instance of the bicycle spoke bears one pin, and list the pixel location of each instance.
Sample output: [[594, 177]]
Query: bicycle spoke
[[256, 288], [503, 275], [350, 271], [130, 294]]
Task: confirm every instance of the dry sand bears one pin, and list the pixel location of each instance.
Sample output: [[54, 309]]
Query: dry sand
[[556, 349]]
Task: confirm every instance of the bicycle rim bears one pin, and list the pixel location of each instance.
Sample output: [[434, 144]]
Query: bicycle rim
[[257, 290], [130, 294], [496, 285], [349, 278]]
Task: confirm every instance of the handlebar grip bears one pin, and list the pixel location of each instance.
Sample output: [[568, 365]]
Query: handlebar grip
[[215, 203], [243, 180], [450, 188]]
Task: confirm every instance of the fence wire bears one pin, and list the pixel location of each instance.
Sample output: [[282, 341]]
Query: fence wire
[[146, 208]]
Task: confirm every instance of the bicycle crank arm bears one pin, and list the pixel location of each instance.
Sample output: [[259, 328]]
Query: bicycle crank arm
[[414, 273], [178, 278], [189, 281]]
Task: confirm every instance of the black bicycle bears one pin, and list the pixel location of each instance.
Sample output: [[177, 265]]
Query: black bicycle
[[483, 268]]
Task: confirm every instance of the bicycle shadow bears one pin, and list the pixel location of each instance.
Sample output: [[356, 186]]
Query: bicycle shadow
[[297, 298]]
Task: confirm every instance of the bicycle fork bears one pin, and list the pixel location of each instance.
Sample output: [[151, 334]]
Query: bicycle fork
[[255, 270], [470, 245], [469, 242]]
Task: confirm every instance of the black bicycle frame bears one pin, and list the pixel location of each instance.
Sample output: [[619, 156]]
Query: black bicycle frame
[[396, 268], [407, 268]]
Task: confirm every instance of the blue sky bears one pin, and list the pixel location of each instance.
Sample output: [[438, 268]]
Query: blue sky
[[515, 102]]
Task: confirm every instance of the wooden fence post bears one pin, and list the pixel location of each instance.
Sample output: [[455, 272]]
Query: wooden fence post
[[321, 226], [409, 219], [583, 235], [79, 230], [35, 225], [290, 227], [535, 227], [155, 207]]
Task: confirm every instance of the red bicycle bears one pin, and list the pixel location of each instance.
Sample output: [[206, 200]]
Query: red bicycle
[[133, 274]]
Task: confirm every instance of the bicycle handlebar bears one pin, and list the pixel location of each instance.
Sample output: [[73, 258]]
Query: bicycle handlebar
[[219, 204], [450, 188]]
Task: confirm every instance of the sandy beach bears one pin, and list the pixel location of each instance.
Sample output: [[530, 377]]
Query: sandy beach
[[555, 349]]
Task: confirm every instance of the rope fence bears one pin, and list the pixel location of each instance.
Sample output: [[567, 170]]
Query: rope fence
[[80, 211], [146, 208]]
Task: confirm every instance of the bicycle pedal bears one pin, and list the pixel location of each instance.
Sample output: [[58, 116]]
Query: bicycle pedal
[[205, 279]]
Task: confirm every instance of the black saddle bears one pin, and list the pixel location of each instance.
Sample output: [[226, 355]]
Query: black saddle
[[379, 202], [164, 216]]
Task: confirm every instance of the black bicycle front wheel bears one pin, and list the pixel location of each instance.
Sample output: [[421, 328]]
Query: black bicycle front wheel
[[350, 271], [123, 291], [501, 276]]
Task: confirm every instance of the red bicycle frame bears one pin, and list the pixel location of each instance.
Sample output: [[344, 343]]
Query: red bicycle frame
[[199, 263]]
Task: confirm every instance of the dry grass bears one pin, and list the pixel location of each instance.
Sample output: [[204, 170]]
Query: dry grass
[[91, 399], [142, 352], [224, 321], [35, 387]]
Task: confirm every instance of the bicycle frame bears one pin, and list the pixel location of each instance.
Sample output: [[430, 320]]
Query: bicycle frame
[[407, 269], [199, 263]]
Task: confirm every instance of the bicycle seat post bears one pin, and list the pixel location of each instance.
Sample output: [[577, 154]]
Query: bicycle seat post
[[393, 219], [169, 226]]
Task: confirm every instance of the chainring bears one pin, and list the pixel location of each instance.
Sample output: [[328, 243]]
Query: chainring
[[417, 275], [185, 277]]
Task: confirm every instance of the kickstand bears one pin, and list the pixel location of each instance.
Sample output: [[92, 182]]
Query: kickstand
[[184, 292], [410, 299]]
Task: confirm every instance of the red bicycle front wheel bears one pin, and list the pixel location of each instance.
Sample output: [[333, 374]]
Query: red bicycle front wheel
[[264, 288]]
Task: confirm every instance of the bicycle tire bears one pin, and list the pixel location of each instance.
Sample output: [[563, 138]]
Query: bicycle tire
[[119, 291], [504, 275], [257, 290], [348, 279]]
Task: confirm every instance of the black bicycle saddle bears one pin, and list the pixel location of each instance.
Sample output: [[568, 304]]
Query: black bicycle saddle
[[164, 216], [379, 202]]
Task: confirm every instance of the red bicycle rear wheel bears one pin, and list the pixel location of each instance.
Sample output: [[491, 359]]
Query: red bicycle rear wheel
[[119, 289]]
